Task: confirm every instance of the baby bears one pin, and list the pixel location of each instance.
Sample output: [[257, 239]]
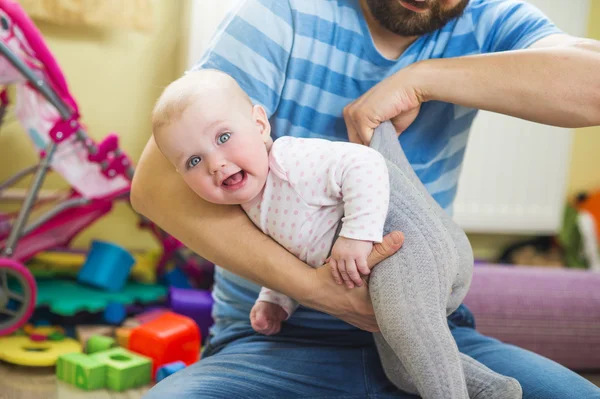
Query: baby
[[304, 193]]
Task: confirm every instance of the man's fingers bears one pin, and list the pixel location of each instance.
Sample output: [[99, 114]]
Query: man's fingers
[[390, 244], [404, 120], [337, 277]]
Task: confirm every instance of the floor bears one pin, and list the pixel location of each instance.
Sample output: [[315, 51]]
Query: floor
[[40, 383]]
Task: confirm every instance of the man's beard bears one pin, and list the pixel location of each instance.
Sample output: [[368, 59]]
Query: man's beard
[[401, 21]]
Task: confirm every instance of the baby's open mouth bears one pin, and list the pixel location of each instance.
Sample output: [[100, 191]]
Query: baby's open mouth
[[234, 181]]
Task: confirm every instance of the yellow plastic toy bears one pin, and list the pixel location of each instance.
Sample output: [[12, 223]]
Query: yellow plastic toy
[[23, 351], [69, 263]]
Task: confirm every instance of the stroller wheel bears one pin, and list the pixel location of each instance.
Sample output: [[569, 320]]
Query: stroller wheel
[[17, 295]]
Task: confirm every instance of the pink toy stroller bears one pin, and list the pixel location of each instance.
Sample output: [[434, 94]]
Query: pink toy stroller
[[98, 173]]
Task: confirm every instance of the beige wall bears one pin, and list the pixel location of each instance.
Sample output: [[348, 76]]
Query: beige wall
[[585, 163], [115, 75]]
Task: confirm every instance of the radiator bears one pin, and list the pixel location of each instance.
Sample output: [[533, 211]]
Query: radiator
[[514, 177]]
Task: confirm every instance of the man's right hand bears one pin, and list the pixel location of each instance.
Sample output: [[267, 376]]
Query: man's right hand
[[351, 305]]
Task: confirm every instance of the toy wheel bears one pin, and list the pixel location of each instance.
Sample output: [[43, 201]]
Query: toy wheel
[[17, 295]]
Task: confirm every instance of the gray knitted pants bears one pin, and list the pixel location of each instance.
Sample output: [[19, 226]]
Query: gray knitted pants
[[414, 290]]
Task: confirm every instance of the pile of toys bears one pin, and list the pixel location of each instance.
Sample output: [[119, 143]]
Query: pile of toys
[[133, 355]]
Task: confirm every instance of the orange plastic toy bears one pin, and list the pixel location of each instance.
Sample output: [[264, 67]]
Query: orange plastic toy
[[168, 338], [591, 203]]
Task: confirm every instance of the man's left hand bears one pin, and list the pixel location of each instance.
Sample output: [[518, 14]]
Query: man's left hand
[[396, 98]]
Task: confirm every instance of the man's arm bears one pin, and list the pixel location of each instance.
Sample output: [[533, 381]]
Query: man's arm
[[226, 236], [555, 82]]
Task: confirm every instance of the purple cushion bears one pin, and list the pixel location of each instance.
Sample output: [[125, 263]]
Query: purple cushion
[[553, 312]]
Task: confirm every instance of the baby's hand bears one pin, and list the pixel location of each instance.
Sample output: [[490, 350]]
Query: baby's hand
[[348, 258]]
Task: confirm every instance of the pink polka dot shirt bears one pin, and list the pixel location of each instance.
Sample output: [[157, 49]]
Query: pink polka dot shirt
[[313, 184]]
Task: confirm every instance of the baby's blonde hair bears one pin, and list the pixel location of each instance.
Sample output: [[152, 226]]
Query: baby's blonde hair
[[181, 93]]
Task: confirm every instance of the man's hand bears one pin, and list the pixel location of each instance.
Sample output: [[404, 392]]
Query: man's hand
[[397, 98], [353, 306]]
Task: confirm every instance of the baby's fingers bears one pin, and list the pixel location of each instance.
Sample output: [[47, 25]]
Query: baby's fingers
[[337, 277], [342, 269], [362, 266], [353, 272]]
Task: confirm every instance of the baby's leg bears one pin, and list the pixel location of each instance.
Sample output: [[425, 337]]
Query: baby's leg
[[482, 383], [270, 310], [414, 290], [266, 317], [410, 290]]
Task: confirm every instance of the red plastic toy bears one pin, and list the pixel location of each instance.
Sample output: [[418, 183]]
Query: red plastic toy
[[169, 338]]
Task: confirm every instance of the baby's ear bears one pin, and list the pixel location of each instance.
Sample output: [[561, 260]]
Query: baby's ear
[[262, 121]]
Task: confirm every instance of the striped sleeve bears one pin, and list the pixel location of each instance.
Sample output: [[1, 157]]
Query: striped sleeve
[[502, 25], [253, 45]]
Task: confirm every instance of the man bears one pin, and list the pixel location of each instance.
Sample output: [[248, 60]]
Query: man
[[337, 69]]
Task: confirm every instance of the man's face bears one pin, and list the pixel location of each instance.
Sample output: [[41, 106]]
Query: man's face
[[415, 17]]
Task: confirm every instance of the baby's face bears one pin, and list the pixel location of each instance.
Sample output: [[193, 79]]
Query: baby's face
[[219, 151]]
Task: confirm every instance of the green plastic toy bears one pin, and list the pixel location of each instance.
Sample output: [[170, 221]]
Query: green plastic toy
[[124, 369], [99, 343], [81, 370], [67, 297]]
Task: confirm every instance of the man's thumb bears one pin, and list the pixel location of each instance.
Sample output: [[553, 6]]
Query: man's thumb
[[390, 244]]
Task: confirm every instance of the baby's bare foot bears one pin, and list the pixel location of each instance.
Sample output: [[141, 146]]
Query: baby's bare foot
[[266, 317]]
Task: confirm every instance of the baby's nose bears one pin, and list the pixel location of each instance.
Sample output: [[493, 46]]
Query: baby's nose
[[216, 165]]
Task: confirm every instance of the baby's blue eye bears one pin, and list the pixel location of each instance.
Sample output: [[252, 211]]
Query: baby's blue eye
[[223, 138], [193, 161]]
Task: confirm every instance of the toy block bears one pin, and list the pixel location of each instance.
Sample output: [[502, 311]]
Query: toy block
[[99, 343], [149, 315], [122, 334], [81, 371], [107, 267], [124, 369], [168, 369], [168, 338], [85, 332], [130, 323]]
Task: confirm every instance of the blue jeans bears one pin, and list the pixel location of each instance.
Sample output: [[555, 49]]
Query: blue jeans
[[302, 362]]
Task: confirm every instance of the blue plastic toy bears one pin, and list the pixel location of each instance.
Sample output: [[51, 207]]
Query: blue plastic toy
[[114, 313], [168, 369], [107, 267]]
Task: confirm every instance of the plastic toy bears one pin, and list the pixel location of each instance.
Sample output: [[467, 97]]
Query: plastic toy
[[67, 298], [116, 369], [85, 332], [99, 343], [82, 371], [107, 266], [62, 262], [122, 334], [166, 339], [149, 315], [56, 336], [114, 313], [195, 304], [124, 369], [30, 329], [98, 174], [169, 369], [25, 352]]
